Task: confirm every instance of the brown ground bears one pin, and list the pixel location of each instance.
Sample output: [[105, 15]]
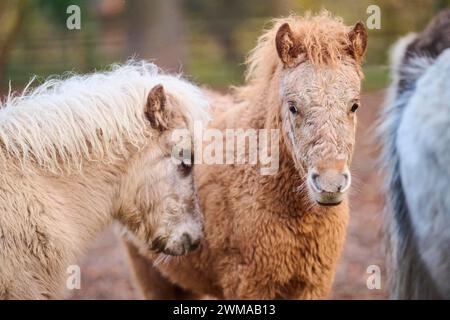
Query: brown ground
[[105, 273]]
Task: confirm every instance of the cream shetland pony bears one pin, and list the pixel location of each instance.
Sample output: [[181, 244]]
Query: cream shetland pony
[[78, 153], [280, 235]]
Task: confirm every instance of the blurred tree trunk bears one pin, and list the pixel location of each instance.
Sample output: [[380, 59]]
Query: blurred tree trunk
[[155, 31], [10, 20]]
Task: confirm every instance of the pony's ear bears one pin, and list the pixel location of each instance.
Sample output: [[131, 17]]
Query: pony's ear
[[288, 47], [155, 110], [358, 41]]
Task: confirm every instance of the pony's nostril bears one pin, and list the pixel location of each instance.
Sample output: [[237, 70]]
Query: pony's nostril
[[187, 242], [315, 181], [346, 177], [158, 244], [195, 245], [346, 183]]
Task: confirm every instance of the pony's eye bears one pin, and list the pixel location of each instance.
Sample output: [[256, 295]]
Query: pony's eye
[[354, 107], [185, 168], [185, 165], [292, 107]]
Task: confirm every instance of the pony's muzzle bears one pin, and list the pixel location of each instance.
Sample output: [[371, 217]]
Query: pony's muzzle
[[183, 246], [329, 186]]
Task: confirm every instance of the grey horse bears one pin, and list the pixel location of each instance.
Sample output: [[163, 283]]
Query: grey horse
[[415, 130]]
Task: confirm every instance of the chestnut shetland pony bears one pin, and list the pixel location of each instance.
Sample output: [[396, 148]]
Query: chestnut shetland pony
[[78, 153], [280, 235]]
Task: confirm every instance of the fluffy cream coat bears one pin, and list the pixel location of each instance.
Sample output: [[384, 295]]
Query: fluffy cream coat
[[77, 153]]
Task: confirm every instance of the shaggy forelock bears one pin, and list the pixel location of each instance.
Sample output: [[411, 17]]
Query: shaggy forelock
[[325, 39], [95, 117]]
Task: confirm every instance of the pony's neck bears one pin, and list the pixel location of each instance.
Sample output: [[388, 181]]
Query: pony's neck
[[89, 202]]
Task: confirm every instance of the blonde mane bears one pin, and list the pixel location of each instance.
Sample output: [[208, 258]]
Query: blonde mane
[[325, 40], [87, 117]]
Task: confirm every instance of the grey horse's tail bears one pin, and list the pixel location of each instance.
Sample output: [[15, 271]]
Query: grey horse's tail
[[410, 57]]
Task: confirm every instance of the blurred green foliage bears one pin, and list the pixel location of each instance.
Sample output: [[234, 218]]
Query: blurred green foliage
[[216, 34]]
